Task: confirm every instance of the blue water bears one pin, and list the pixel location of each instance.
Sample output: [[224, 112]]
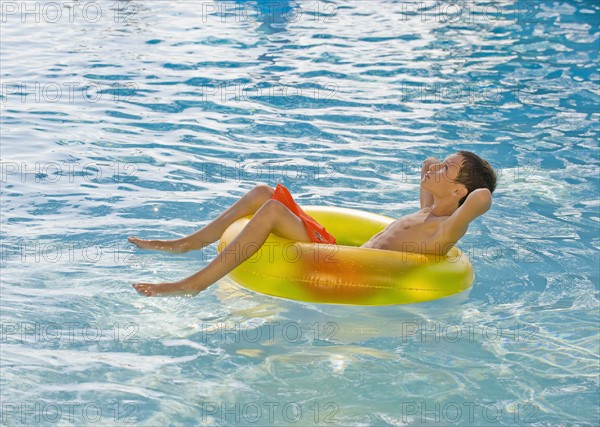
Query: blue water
[[150, 119]]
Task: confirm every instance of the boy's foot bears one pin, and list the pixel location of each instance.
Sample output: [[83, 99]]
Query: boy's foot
[[153, 290], [159, 245]]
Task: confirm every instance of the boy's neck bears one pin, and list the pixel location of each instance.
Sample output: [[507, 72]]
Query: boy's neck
[[439, 208]]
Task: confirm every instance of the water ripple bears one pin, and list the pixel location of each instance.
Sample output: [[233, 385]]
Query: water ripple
[[133, 124]]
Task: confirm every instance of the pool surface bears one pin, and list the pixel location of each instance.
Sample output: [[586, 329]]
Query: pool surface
[[151, 118]]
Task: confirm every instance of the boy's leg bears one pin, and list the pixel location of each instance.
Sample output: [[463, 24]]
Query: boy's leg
[[247, 205], [272, 217]]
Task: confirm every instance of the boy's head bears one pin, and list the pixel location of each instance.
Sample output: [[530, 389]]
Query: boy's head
[[458, 176], [475, 173]]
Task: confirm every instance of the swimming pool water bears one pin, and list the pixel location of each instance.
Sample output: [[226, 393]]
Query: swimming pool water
[[151, 118]]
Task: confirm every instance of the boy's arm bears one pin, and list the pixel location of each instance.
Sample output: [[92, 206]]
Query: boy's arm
[[426, 196], [476, 204]]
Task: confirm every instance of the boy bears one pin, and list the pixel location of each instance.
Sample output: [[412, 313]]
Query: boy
[[453, 193]]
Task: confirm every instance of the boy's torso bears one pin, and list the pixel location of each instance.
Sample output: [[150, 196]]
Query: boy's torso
[[417, 232]]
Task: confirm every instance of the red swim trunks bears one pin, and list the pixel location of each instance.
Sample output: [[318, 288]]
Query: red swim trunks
[[316, 231]]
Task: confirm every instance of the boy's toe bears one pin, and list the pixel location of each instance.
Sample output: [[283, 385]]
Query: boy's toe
[[141, 288]]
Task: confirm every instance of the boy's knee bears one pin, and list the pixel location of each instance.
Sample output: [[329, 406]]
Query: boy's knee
[[274, 206], [264, 190], [270, 210]]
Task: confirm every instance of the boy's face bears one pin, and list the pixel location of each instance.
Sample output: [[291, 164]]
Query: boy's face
[[439, 180]]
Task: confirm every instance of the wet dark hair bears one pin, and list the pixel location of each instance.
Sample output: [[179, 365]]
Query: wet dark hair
[[475, 173]]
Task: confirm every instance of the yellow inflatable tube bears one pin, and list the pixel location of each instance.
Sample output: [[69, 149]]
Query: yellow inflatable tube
[[345, 273]]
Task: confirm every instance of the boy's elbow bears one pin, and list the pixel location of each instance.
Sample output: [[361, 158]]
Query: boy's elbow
[[430, 160], [482, 198], [426, 163]]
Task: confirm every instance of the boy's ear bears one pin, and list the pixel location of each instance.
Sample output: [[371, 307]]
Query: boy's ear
[[461, 191]]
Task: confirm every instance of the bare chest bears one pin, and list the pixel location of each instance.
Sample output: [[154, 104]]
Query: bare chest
[[411, 233]]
